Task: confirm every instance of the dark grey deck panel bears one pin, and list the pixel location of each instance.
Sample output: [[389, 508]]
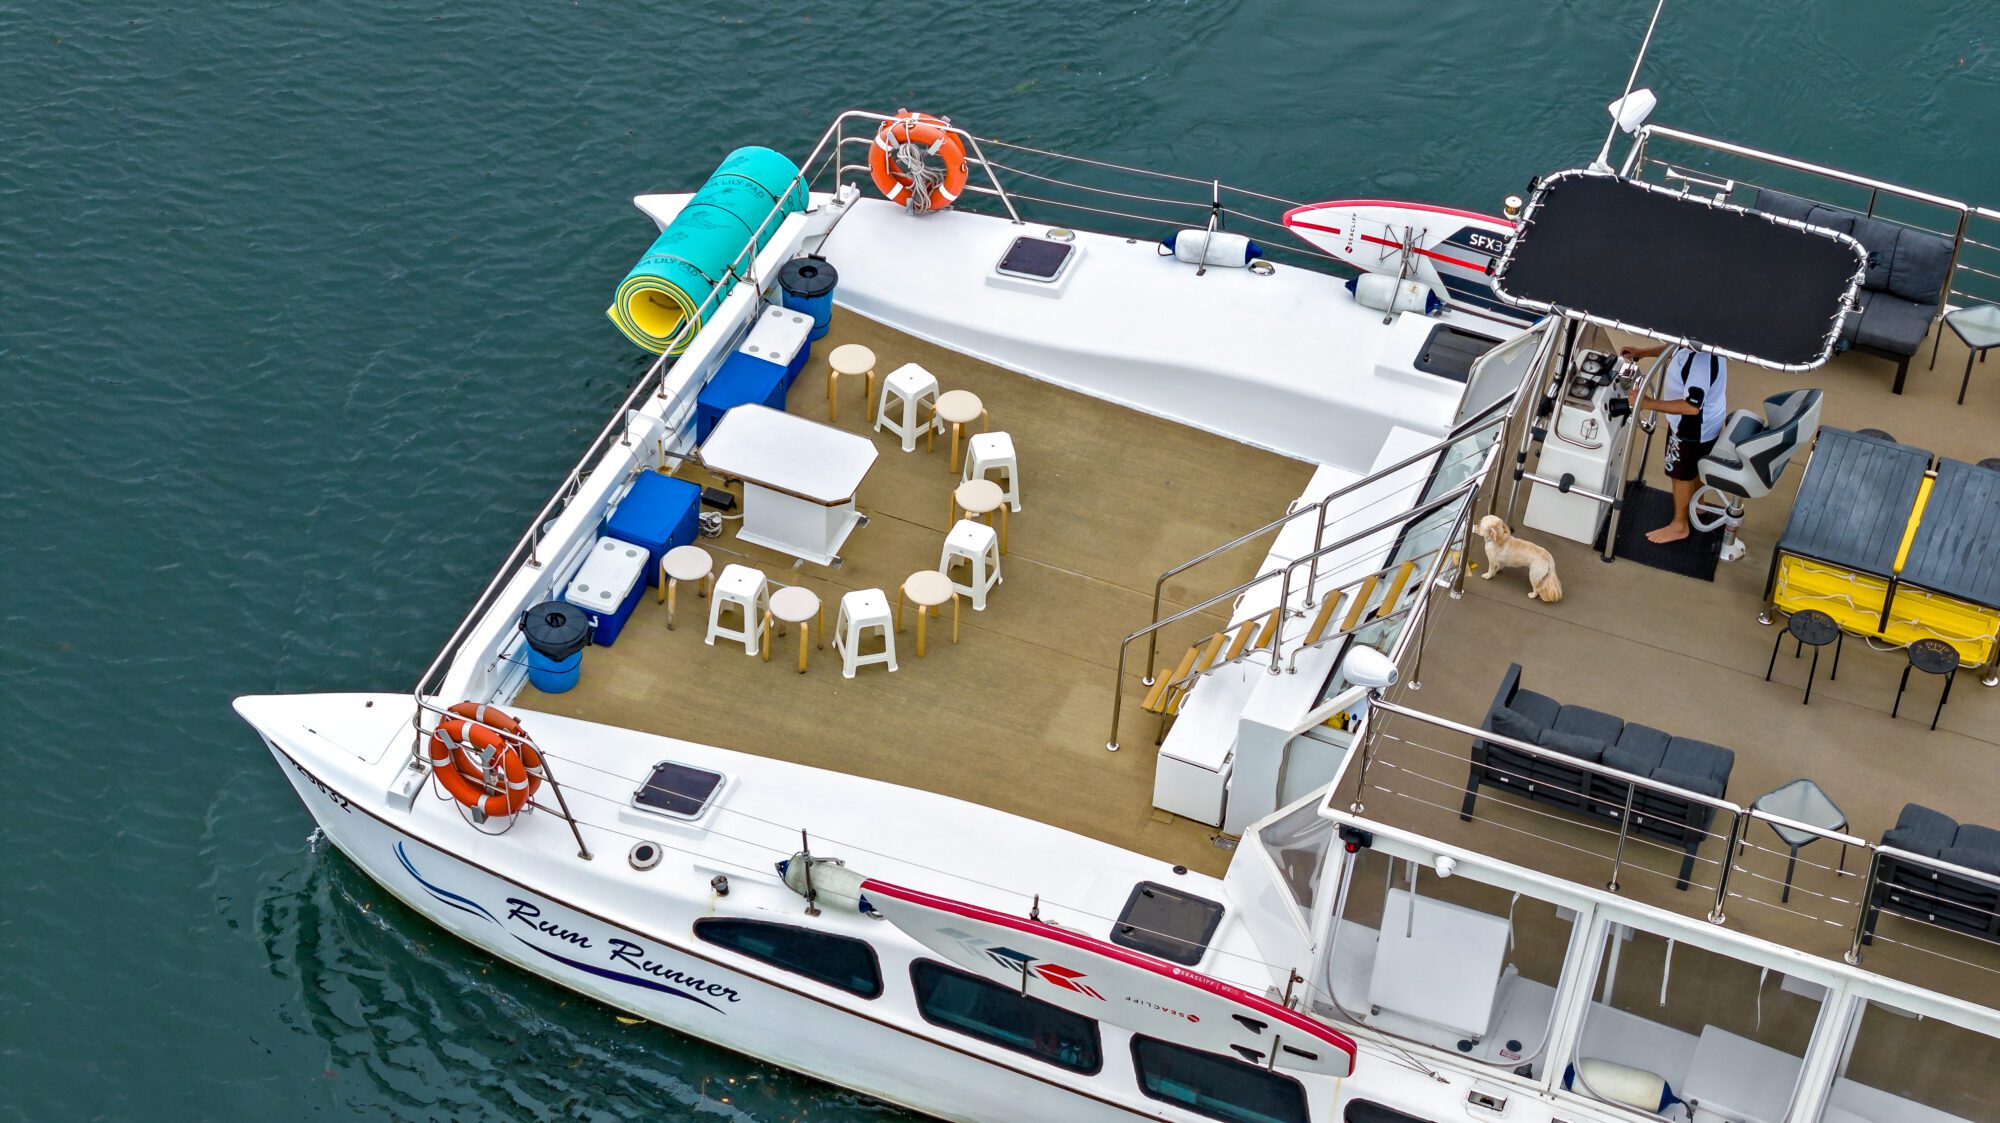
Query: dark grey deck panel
[[1855, 502], [1957, 548]]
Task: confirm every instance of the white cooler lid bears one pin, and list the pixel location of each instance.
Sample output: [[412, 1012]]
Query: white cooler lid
[[777, 335], [608, 573]]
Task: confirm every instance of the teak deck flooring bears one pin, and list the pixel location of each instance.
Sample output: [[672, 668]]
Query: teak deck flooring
[[1015, 715]]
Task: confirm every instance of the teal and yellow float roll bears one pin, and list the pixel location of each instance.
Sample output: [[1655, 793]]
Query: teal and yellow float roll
[[662, 301]]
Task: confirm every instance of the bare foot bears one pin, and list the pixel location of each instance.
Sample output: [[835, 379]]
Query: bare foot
[[1672, 532]]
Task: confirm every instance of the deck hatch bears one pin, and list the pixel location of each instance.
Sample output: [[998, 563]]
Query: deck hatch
[[1163, 921], [1449, 352], [680, 790], [1035, 259]]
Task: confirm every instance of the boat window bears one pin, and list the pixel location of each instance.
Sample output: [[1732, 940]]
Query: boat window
[[838, 961], [1669, 1022], [1368, 1111], [1003, 1016], [1297, 847], [1451, 962], [1216, 1086], [1904, 1067]]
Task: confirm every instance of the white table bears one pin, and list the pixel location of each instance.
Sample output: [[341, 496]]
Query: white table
[[1735, 1078], [799, 479]]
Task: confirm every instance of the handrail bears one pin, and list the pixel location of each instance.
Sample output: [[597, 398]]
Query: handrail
[[1462, 431], [1118, 697]]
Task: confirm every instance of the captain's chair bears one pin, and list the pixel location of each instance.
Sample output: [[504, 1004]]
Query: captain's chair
[[1748, 459]]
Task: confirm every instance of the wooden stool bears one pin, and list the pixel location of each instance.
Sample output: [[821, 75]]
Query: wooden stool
[[958, 408], [684, 563], [794, 604], [849, 359], [981, 497], [928, 590]]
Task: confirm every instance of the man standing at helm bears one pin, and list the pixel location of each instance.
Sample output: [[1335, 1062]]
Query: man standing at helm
[[1695, 395]]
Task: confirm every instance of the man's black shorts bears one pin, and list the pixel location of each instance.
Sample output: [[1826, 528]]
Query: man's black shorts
[[1683, 455]]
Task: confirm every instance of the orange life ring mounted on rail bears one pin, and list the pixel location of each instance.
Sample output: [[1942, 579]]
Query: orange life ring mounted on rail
[[484, 759], [895, 176]]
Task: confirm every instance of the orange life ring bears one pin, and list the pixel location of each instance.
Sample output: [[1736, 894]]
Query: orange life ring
[[485, 760], [935, 136]]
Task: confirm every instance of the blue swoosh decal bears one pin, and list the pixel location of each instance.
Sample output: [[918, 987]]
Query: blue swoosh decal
[[468, 905]]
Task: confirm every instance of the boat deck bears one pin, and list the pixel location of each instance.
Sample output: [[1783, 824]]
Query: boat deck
[[1014, 716], [1689, 657]]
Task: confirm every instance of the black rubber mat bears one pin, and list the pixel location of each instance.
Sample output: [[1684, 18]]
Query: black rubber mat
[[1647, 508]]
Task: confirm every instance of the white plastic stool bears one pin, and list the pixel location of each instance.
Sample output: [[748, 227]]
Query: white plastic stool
[[860, 611], [911, 385], [748, 590], [986, 452], [978, 545]]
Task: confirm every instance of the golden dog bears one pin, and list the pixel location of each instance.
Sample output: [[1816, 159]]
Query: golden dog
[[1504, 551]]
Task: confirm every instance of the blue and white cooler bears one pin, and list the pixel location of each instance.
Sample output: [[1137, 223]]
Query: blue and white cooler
[[780, 336], [608, 586]]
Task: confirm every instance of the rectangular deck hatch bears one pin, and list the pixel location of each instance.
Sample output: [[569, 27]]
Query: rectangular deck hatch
[[1449, 352], [1164, 921], [679, 790], [1035, 259]]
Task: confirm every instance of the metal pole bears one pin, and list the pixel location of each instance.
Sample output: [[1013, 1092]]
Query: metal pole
[[582, 851], [1368, 736], [1853, 954], [1117, 701], [980, 155], [1716, 915], [1624, 828]]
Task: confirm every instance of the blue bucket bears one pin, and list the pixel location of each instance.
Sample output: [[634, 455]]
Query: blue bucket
[[808, 284], [550, 676]]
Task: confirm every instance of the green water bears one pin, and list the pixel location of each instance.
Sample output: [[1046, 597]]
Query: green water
[[301, 318]]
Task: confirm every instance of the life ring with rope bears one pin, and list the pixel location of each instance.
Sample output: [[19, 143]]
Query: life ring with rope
[[899, 162], [484, 759]]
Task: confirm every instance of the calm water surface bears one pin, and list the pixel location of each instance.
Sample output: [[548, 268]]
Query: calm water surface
[[301, 319]]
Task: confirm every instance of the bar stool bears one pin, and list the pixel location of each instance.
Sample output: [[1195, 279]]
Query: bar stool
[[1932, 657], [928, 590], [980, 498], [684, 563], [861, 611], [1810, 627], [959, 408], [794, 604], [977, 546], [849, 359], [748, 589], [987, 452], [912, 385]]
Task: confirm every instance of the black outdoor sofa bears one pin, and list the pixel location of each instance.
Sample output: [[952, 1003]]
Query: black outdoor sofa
[[1952, 901], [1585, 734], [1905, 284]]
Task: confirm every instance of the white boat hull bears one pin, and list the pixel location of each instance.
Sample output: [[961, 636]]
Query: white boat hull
[[656, 978]]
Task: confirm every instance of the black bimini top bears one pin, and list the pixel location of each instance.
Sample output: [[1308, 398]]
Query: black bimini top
[[1683, 269], [1956, 543], [1855, 502]]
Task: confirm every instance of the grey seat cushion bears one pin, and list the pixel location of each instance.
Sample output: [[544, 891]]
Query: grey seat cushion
[[1576, 745], [1538, 708], [1879, 237], [1639, 750], [1972, 858], [1586, 722], [1690, 757], [1921, 830], [1783, 205], [1692, 781], [1893, 324], [1834, 218], [1923, 261], [1974, 837], [1513, 723]]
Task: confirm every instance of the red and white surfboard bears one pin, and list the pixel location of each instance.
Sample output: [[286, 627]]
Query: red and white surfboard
[[1114, 984], [1450, 249]]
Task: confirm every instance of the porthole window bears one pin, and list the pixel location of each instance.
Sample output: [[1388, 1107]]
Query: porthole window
[[842, 962], [1003, 1016]]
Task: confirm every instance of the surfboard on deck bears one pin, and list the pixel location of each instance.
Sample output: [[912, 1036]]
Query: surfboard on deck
[[1106, 982], [1451, 249]]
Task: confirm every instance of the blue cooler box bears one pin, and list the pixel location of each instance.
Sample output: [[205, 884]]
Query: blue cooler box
[[779, 336], [608, 586], [659, 513], [743, 380]]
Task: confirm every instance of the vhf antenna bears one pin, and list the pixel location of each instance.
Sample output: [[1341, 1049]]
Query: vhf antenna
[[1603, 160]]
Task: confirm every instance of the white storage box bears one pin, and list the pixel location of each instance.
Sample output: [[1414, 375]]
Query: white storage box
[[608, 585], [779, 336]]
